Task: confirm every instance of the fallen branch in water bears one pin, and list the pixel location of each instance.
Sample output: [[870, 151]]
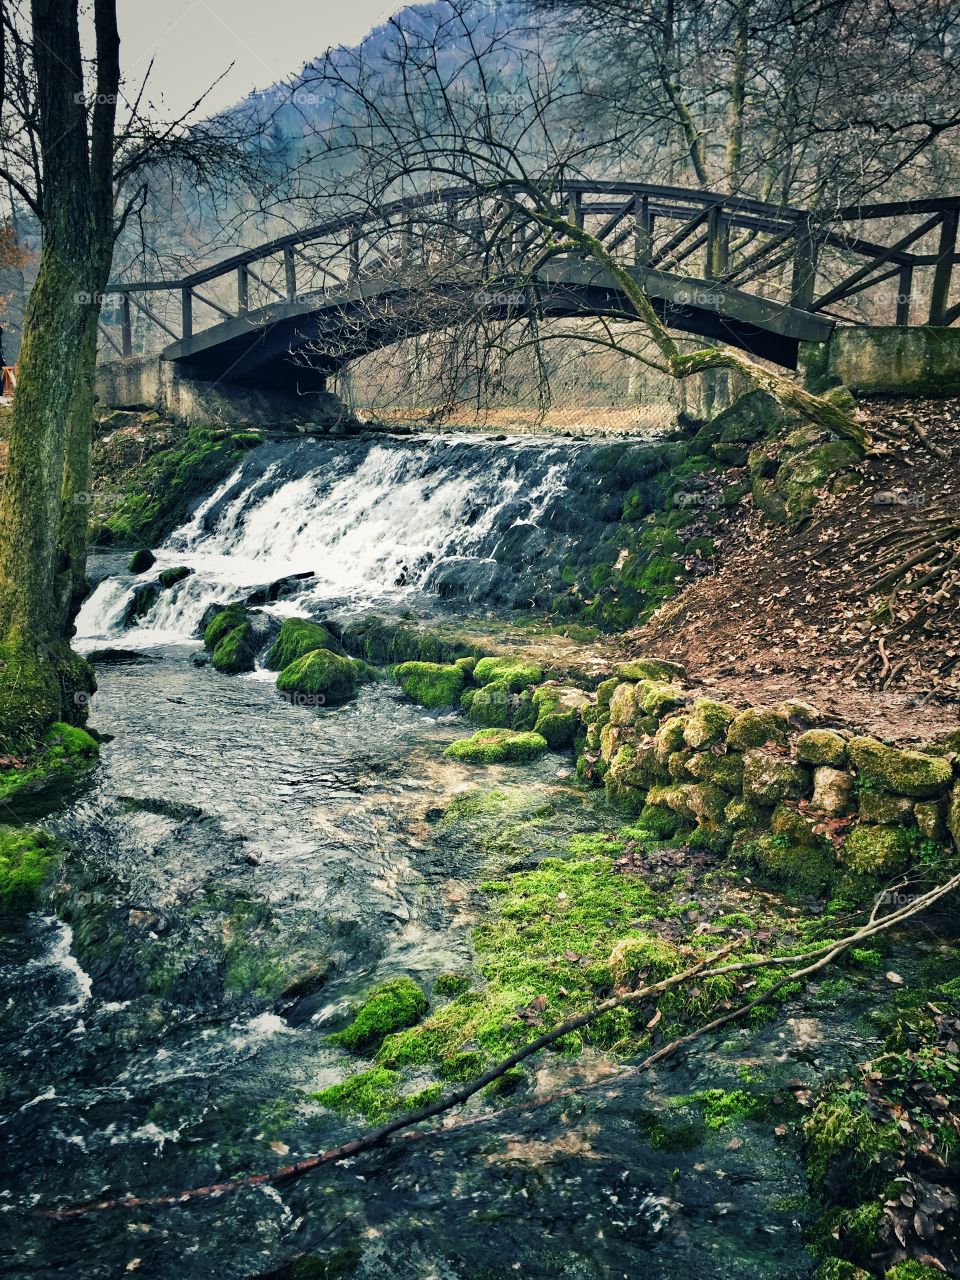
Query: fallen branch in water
[[707, 967]]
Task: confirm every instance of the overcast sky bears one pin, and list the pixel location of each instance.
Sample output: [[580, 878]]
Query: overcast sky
[[193, 41]]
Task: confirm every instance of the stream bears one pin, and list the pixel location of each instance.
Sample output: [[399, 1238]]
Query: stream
[[239, 869]]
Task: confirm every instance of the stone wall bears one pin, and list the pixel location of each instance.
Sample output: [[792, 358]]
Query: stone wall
[[886, 360], [814, 799]]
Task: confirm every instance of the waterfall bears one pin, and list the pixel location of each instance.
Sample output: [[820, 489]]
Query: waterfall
[[374, 520]]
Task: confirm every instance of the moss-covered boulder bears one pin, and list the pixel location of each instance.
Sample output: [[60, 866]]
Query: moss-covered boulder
[[669, 737], [26, 857], [389, 1007], [512, 671], [822, 746], [170, 577], [491, 706], [558, 727], [707, 722], [876, 850], [431, 684], [906, 773], [141, 561], [636, 765], [673, 797], [800, 714], [706, 802], [235, 652], [755, 727], [658, 698], [223, 621], [661, 669], [744, 815], [930, 817], [769, 778], [834, 793], [723, 770], [555, 714], [953, 813], [298, 637], [807, 868], [321, 678], [497, 746], [885, 808]]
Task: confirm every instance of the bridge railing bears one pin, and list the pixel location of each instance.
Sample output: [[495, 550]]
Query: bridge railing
[[827, 263]]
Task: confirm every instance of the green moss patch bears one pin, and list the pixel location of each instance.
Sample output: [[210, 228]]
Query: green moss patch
[[161, 490], [431, 684], [298, 637], [497, 746], [323, 676], [390, 1006], [512, 672], [26, 857], [64, 749]]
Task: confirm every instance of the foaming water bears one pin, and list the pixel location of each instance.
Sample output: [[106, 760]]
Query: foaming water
[[368, 520]]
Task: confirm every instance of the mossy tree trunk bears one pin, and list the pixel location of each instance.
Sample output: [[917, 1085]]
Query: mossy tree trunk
[[40, 679]]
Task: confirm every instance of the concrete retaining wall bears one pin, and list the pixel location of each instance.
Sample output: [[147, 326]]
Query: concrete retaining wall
[[884, 360], [148, 382]]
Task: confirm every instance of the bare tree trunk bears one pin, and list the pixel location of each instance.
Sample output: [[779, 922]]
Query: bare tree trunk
[[40, 678]]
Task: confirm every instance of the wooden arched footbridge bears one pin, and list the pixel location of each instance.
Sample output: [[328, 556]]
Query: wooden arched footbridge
[[754, 275]]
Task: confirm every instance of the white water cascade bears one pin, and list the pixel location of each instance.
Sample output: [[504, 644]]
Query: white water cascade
[[369, 520]]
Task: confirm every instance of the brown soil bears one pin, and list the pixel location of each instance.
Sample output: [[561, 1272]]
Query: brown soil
[[790, 614]]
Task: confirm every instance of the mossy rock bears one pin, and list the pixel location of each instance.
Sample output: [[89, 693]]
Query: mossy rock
[[876, 850], [744, 814], [235, 652], [431, 684], [755, 727], [141, 561], [834, 792], [885, 808], [636, 765], [513, 672], [822, 746], [906, 773], [671, 797], [322, 677], [808, 868], [226, 620], [296, 638], [796, 826], [651, 669], [659, 821], [497, 746], [669, 737], [769, 778], [953, 813], [170, 577], [656, 698], [621, 796], [800, 714], [559, 728], [389, 1007], [706, 802], [491, 705], [26, 857], [605, 692], [930, 817], [707, 722], [724, 771]]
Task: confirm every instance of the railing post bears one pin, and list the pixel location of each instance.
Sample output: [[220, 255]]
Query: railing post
[[186, 313], [290, 273], [804, 281], [575, 208], [944, 268], [718, 242], [643, 232], [243, 289], [904, 290], [126, 327]]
